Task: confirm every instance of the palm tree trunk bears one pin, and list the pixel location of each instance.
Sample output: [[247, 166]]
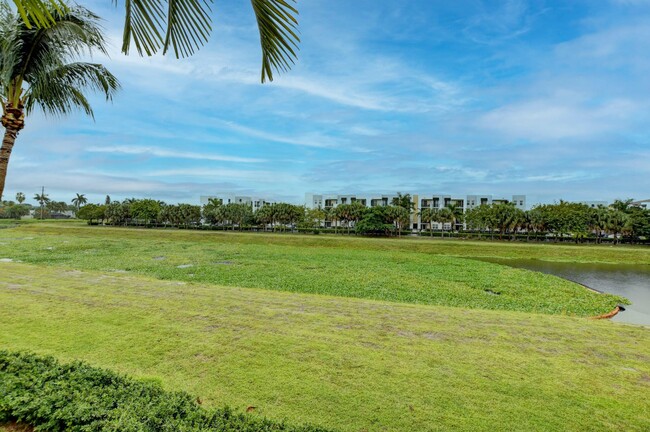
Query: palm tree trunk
[[5, 153], [13, 120]]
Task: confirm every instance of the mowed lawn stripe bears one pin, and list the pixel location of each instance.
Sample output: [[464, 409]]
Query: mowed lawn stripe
[[300, 266], [550, 251], [345, 363]]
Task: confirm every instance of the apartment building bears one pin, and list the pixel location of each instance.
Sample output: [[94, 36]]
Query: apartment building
[[254, 202], [595, 204], [420, 201]]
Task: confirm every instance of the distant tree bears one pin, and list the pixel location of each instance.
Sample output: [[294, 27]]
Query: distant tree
[[42, 199], [289, 214], [404, 201], [145, 210], [56, 206], [480, 218], [314, 217], [188, 214], [107, 201], [443, 216], [20, 197], [343, 213], [332, 216], [118, 213], [639, 222], [79, 200], [265, 216], [456, 215], [91, 212], [237, 213], [375, 221], [14, 211], [400, 216], [426, 216], [617, 221]]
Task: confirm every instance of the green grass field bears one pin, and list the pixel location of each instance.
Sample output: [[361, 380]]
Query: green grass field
[[243, 327], [423, 272]]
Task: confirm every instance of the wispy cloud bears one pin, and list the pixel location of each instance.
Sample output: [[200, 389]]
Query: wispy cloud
[[175, 154]]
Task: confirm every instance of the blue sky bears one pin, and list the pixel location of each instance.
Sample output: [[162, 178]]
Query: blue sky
[[545, 98]]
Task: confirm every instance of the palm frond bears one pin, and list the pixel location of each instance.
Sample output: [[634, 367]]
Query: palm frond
[[277, 23], [188, 26], [143, 24], [38, 13], [60, 90], [180, 25]]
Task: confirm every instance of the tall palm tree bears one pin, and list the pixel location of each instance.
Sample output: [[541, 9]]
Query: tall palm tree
[[39, 67], [426, 215], [183, 26], [20, 197], [445, 215], [456, 214], [42, 199], [79, 200]]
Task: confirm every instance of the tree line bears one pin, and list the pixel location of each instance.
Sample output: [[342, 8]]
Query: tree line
[[47, 208], [563, 221]]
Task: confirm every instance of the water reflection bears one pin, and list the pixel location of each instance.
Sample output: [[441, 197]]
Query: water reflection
[[631, 281]]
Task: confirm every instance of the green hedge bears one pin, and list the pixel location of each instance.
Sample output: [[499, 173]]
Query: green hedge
[[41, 392]]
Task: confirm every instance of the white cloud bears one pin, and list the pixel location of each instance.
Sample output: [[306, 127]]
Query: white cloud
[[163, 153], [557, 118]]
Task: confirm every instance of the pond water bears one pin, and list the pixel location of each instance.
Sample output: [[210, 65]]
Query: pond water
[[631, 281]]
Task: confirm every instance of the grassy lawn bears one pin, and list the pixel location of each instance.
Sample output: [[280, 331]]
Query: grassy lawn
[[410, 271], [346, 363]]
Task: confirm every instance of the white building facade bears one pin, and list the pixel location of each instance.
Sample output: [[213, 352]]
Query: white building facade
[[255, 202], [420, 201]]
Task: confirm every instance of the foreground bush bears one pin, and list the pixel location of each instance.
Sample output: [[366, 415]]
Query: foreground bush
[[76, 397]]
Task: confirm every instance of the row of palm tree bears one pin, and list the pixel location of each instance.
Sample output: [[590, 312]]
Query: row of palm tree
[[562, 220], [558, 221], [451, 215]]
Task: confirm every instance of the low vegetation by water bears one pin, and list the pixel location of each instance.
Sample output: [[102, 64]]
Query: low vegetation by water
[[423, 272]]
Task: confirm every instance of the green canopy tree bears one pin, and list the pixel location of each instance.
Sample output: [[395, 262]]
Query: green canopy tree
[[400, 216], [20, 197], [40, 67]]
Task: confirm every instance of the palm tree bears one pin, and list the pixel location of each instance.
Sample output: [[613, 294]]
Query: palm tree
[[404, 201], [456, 214], [79, 200], [39, 68], [426, 215], [184, 26], [42, 199], [445, 215], [20, 197], [616, 222]]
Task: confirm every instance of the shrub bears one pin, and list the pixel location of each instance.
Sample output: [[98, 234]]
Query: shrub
[[41, 392]]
